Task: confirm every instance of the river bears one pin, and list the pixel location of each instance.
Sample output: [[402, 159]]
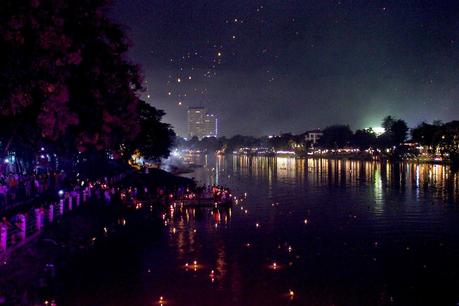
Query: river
[[304, 232]]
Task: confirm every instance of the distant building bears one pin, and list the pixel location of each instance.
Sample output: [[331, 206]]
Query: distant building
[[201, 124], [313, 136], [210, 125]]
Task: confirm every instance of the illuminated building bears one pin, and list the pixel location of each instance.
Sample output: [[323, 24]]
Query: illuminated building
[[313, 136], [201, 124]]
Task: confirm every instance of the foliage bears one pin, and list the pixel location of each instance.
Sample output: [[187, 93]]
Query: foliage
[[66, 82], [439, 137], [442, 138], [155, 138], [336, 136], [396, 131], [364, 139], [425, 134], [65, 75]]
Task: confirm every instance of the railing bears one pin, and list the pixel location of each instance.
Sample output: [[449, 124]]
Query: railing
[[19, 197], [27, 225]]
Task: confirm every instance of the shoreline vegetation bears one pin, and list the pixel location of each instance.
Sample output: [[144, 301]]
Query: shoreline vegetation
[[394, 141], [334, 156]]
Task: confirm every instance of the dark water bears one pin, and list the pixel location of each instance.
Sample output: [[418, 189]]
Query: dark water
[[340, 233]]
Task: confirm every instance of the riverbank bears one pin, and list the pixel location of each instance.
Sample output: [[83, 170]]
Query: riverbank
[[28, 271], [357, 157]]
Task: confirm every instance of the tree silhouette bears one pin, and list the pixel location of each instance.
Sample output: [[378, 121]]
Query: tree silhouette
[[155, 138], [396, 131], [65, 79], [336, 136]]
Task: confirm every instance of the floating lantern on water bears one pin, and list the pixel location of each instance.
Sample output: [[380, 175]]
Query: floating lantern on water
[[161, 300], [212, 276], [195, 265], [275, 266], [257, 225], [291, 294], [306, 221]]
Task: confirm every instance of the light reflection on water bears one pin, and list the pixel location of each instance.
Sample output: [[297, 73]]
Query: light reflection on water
[[402, 206], [376, 234], [437, 180]]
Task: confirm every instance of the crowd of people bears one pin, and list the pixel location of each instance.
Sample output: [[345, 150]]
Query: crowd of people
[[15, 188]]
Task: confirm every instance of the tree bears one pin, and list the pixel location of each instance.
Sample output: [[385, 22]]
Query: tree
[[396, 131], [448, 140], [336, 136], [282, 142], [65, 75], [210, 143], [399, 131], [425, 134], [239, 141], [364, 139], [387, 123], [155, 137], [440, 138]]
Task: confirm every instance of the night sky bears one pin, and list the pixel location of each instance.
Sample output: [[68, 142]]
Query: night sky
[[265, 67]]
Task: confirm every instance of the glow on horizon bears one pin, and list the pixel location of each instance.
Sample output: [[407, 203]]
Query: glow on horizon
[[378, 130]]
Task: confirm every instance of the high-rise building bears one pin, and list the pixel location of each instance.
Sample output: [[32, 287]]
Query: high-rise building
[[201, 124], [210, 125]]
